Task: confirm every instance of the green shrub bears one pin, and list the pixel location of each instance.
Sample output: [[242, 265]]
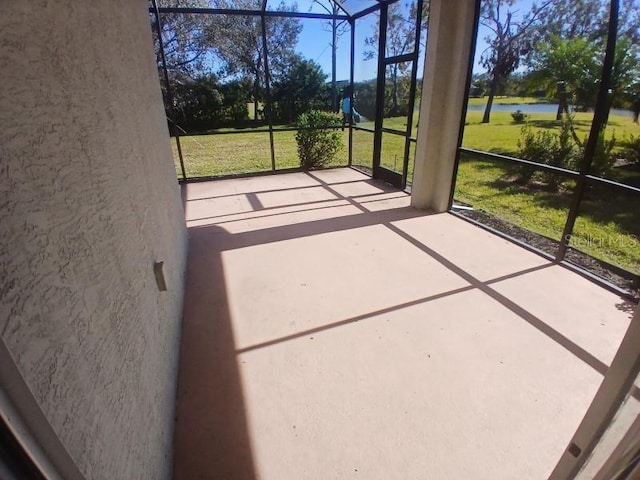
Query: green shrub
[[631, 148], [557, 149], [319, 140], [564, 150], [564, 153], [519, 116], [603, 158], [536, 147]]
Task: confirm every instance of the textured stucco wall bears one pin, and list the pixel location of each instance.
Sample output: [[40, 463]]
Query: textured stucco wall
[[88, 201]]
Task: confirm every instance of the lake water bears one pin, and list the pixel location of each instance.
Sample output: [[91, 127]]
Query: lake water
[[534, 108]]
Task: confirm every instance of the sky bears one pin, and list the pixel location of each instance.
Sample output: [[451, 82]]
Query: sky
[[314, 43]]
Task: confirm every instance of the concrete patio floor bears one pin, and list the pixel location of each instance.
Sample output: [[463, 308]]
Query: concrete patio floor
[[332, 332]]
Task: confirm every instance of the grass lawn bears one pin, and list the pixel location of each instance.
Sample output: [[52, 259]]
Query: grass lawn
[[248, 152], [481, 183], [608, 227], [502, 134], [508, 100]]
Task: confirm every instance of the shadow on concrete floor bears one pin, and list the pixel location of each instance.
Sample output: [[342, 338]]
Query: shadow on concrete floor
[[211, 439]]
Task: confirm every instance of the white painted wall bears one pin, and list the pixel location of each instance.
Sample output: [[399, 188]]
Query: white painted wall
[[451, 26], [88, 202]]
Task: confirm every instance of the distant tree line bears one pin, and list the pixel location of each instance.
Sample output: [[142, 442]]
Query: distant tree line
[[220, 76], [396, 97], [218, 67], [205, 102], [553, 48], [556, 49]]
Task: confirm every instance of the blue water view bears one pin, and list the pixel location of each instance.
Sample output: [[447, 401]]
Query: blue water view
[[534, 108]]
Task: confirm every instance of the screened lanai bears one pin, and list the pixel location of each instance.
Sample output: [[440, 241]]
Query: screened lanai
[[283, 81], [237, 75], [226, 311], [445, 131]]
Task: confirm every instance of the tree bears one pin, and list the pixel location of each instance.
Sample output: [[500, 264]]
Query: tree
[[587, 19], [575, 63], [234, 101], [508, 43], [632, 99], [401, 31], [203, 103], [629, 21], [196, 103], [573, 18], [317, 139], [571, 40], [302, 87], [479, 85], [365, 98], [337, 29], [626, 72], [183, 37], [237, 42]]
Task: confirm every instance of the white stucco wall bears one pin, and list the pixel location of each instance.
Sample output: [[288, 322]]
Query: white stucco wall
[[447, 58], [88, 202]]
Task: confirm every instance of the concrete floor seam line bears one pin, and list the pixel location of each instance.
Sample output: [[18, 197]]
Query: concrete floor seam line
[[344, 204], [236, 194], [276, 190], [377, 200], [345, 182], [386, 192], [233, 241], [534, 321], [355, 319], [271, 215]]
